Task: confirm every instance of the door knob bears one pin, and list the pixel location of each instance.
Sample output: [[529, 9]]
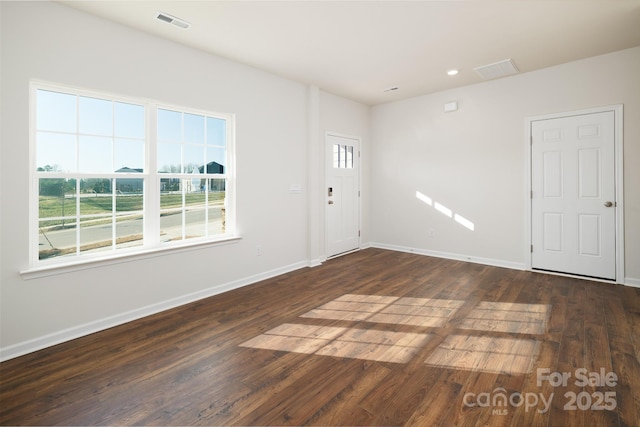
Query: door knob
[[608, 204]]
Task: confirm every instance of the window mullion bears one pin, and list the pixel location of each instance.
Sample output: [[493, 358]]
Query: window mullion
[[114, 181], [183, 171], [230, 177], [77, 170], [205, 174], [77, 216], [34, 200], [114, 217], [184, 206], [207, 182], [152, 183]]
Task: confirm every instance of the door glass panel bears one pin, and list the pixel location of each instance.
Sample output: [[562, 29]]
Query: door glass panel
[[349, 156], [342, 156]]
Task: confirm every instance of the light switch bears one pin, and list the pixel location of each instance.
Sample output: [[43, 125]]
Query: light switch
[[295, 188]]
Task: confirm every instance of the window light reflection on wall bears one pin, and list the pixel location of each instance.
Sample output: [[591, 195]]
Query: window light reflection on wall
[[446, 211]]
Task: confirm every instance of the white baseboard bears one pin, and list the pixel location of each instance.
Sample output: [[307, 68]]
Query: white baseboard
[[315, 262], [456, 257], [630, 281], [69, 334]]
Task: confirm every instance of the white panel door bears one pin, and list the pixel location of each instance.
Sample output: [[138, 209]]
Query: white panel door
[[573, 203], [342, 195]]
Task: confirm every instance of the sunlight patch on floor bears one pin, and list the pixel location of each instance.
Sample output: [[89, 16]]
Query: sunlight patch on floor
[[486, 354], [494, 354], [427, 312], [368, 344], [508, 317]]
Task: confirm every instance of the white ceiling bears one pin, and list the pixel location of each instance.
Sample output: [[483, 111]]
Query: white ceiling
[[357, 49]]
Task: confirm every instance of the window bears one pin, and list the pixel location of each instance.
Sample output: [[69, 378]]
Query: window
[[192, 163], [342, 156], [115, 176]]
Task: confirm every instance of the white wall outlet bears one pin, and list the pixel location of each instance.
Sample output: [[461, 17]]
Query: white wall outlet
[[258, 250]]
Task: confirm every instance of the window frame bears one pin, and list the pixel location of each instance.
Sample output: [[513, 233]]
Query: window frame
[[152, 245]]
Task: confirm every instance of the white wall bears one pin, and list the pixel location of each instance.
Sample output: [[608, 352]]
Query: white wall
[[473, 160], [54, 43]]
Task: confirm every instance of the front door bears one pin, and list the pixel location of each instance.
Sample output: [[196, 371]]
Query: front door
[[342, 194], [573, 203]]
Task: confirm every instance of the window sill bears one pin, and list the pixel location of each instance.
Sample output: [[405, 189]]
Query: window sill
[[40, 271]]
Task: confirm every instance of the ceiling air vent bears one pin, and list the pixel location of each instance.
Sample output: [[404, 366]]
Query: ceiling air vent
[[165, 17], [497, 69]]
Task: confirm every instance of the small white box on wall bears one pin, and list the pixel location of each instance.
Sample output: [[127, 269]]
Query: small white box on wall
[[450, 106]]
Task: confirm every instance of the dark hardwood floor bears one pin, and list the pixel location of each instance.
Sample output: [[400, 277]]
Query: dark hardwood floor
[[371, 338]]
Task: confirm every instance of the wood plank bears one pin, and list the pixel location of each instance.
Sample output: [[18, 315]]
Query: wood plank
[[625, 364], [597, 360], [345, 405], [570, 358]]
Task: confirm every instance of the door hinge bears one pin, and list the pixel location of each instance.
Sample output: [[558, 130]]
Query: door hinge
[[358, 233], [358, 193], [531, 140], [531, 248]]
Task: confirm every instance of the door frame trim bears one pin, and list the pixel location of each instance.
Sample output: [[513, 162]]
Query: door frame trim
[[617, 110], [328, 161]]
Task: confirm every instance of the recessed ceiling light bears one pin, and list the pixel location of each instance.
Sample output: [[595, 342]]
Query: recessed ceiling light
[[452, 72]]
